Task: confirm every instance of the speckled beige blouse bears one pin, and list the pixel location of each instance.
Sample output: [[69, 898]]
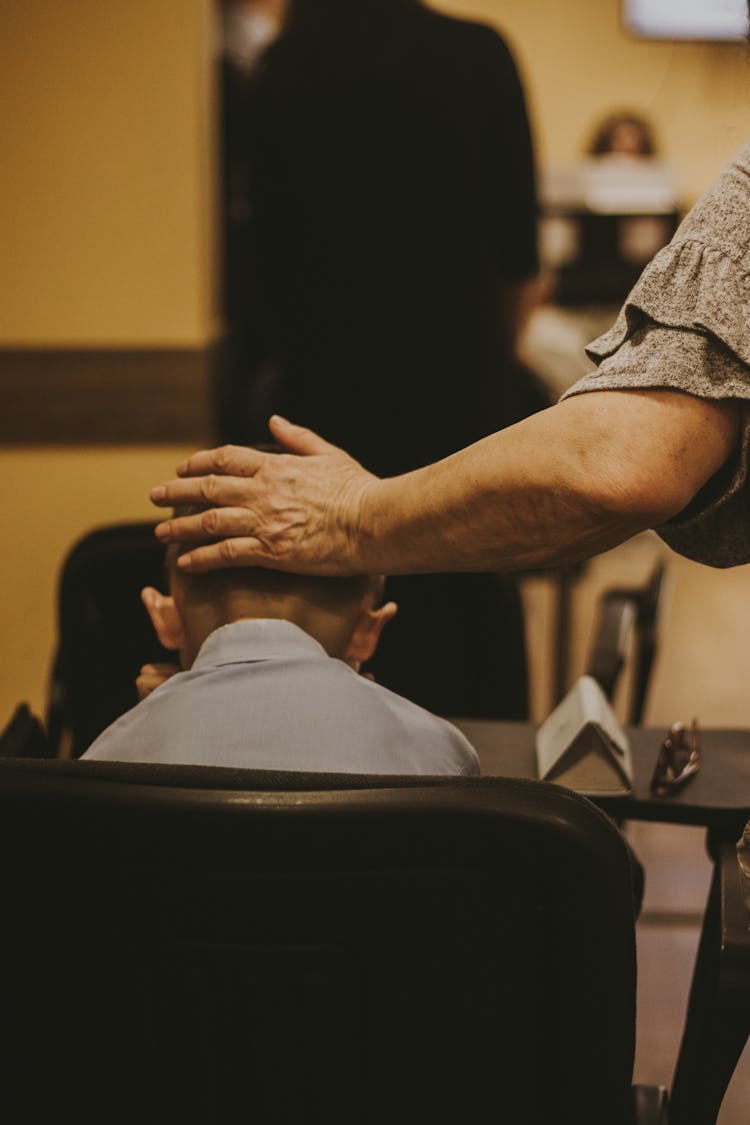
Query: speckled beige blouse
[[686, 326]]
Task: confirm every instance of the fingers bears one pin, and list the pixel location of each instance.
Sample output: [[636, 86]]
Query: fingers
[[152, 676], [216, 523], [240, 461], [220, 476], [150, 597], [389, 611], [212, 489], [143, 683], [227, 553], [297, 439], [161, 670], [227, 460]]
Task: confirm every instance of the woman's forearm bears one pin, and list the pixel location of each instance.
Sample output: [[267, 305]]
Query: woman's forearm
[[562, 485]]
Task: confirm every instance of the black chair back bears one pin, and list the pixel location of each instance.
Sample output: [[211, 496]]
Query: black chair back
[[24, 736], [627, 622], [104, 634], [195, 944]]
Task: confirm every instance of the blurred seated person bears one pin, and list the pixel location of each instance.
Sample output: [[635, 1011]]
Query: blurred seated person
[[605, 216], [625, 174], [270, 680], [623, 134]]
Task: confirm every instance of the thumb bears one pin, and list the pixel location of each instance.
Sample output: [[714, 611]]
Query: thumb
[[298, 439], [150, 597]]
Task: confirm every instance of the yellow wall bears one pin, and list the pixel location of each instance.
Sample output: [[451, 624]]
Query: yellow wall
[[50, 497], [578, 63], [106, 215], [106, 142]]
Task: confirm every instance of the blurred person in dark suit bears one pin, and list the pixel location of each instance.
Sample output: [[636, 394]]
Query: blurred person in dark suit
[[247, 27], [393, 219]]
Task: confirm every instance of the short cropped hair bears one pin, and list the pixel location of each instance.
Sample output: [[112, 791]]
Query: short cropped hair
[[218, 584]]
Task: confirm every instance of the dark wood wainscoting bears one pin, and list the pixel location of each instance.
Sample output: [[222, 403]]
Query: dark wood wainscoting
[[78, 397]]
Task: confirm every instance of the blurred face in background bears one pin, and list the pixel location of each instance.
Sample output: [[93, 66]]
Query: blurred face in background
[[627, 139]]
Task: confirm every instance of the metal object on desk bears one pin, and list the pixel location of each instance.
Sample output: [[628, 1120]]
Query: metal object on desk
[[677, 761]]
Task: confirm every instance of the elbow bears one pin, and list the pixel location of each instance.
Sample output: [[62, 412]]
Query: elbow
[[610, 464], [642, 458], [643, 499]]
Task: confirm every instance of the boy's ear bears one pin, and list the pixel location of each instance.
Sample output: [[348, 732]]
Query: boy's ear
[[366, 632], [165, 618]]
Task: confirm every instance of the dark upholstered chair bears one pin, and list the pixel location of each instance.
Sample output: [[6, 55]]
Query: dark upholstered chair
[[104, 634], [24, 736], [196, 944]]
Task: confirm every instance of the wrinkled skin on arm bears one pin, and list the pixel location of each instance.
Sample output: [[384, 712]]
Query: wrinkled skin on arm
[[560, 486]]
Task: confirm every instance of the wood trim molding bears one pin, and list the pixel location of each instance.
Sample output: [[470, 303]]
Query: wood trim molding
[[107, 396]]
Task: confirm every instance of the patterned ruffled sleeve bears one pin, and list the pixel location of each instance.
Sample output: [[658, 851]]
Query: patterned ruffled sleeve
[[686, 326]]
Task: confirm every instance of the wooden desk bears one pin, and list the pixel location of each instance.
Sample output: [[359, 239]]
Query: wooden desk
[[718, 796]]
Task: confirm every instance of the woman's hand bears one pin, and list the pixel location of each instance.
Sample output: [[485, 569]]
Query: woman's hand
[[300, 513], [152, 676]]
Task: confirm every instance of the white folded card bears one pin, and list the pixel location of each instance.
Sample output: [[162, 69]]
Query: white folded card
[[581, 744]]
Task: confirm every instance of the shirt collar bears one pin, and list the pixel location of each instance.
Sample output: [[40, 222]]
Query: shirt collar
[[244, 642]]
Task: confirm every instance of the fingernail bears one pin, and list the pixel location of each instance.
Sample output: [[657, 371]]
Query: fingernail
[[280, 418], [182, 468], [161, 531], [158, 493], [184, 562]]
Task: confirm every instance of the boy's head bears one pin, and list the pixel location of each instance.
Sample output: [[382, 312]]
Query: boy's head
[[343, 614]]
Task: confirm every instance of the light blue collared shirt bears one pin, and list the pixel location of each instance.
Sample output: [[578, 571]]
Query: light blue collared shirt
[[263, 694]]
